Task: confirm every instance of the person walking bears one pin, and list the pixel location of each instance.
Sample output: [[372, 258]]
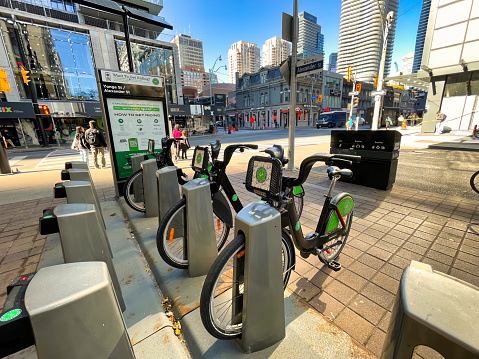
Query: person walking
[[80, 144], [96, 139], [388, 123], [177, 136], [7, 138], [349, 124], [184, 144]]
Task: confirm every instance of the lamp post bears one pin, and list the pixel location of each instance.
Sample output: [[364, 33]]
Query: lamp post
[[377, 102], [212, 71]]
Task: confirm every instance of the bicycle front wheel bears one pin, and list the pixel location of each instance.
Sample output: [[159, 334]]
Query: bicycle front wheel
[[337, 244], [475, 182], [170, 238], [221, 299], [133, 191]]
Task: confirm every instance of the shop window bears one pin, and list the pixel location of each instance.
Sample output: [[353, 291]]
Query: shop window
[[456, 85]]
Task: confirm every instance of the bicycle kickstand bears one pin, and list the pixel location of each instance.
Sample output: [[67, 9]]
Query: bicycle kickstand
[[335, 266]]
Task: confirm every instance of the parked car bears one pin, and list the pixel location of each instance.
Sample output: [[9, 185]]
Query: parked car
[[361, 121], [219, 123], [332, 119]]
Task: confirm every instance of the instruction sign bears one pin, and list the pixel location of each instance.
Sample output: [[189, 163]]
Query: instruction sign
[[134, 107]]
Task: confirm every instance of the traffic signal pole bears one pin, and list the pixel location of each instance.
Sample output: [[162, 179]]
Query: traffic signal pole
[[31, 84], [292, 107]]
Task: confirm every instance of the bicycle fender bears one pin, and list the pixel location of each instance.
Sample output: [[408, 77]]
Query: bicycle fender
[[222, 209], [345, 204]]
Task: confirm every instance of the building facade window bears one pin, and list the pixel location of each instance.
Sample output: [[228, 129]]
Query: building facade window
[[60, 61]]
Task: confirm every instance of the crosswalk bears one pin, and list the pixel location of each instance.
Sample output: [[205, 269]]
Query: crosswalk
[[56, 159]]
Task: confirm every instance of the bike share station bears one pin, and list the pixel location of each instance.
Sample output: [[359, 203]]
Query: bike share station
[[91, 296]]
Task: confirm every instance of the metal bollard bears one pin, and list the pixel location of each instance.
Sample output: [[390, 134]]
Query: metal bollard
[[150, 187], [78, 192], [201, 246], [263, 301], [435, 310], [75, 174], [82, 236], [74, 313], [138, 185], [76, 164], [168, 190]]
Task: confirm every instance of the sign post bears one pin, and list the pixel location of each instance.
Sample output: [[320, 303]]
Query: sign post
[[134, 108]]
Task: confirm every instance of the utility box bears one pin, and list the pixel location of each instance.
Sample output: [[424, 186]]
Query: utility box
[[379, 151]]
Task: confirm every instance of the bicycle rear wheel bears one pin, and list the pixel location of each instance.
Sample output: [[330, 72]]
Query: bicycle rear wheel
[[170, 238], [133, 191], [337, 244], [221, 299], [474, 181]]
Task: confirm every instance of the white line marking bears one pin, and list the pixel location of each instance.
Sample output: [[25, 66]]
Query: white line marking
[[16, 159]]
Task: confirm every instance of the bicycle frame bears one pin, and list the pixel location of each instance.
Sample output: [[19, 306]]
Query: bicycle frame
[[318, 238]]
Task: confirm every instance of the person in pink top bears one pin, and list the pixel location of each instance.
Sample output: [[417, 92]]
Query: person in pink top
[[177, 136]]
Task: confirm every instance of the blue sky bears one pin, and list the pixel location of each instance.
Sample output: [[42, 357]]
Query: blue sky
[[221, 23]]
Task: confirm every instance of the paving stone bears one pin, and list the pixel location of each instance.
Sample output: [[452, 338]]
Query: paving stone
[[465, 276], [351, 279], [14, 257], [327, 305], [378, 295], [437, 266], [319, 278], [371, 261], [359, 328], [439, 257], [340, 291], [384, 322], [367, 309], [376, 341], [386, 282], [392, 271], [304, 289]]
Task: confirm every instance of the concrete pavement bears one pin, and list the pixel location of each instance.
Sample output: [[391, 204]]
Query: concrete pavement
[[390, 229]]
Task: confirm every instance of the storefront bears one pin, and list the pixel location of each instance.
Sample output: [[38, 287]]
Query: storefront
[[18, 124]]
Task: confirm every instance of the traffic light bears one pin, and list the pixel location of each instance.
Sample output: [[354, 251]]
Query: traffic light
[[356, 102], [349, 73], [376, 80], [25, 75], [45, 109], [4, 85], [320, 98], [358, 88]]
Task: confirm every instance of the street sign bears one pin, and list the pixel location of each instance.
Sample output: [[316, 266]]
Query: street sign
[[380, 93], [285, 70], [353, 93], [313, 97], [309, 65]]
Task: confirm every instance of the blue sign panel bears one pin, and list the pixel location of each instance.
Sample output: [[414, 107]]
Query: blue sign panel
[[309, 67]]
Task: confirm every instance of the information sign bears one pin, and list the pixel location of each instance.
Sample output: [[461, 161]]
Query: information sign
[[134, 109]]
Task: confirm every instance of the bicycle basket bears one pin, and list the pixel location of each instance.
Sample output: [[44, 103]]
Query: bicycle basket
[[200, 159], [264, 177]]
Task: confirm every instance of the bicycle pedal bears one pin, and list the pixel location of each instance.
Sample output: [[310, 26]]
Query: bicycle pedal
[[335, 266]]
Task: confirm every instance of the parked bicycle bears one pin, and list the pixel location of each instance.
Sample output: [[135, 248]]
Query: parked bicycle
[[170, 238], [222, 294], [133, 188], [474, 182]]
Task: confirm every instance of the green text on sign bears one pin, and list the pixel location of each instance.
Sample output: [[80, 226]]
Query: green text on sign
[[136, 108]]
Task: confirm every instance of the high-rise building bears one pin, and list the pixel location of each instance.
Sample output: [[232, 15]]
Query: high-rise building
[[275, 51], [190, 51], [361, 37], [421, 35], [243, 57], [407, 63], [310, 39], [333, 59], [196, 77]]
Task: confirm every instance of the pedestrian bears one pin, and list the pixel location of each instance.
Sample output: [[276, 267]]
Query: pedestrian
[[7, 138], [440, 117], [176, 136], [80, 144], [96, 139], [388, 123], [401, 119], [184, 144], [349, 124]]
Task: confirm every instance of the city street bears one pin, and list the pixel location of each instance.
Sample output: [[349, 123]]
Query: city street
[[422, 169]]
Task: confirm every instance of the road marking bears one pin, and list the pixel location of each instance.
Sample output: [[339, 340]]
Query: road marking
[[57, 159], [16, 159]]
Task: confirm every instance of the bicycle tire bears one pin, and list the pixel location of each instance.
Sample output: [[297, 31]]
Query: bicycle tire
[[219, 270], [128, 191], [331, 255], [472, 182], [170, 247]]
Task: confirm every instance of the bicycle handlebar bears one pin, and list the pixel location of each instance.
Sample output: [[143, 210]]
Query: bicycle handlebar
[[228, 153], [329, 159]]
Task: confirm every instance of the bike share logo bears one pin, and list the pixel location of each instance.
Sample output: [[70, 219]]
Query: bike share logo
[[198, 159], [261, 175], [156, 82]]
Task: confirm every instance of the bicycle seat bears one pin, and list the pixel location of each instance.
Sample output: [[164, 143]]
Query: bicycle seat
[[277, 151]]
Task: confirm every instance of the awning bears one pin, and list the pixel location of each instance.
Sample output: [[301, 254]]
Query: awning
[[410, 80], [16, 110]]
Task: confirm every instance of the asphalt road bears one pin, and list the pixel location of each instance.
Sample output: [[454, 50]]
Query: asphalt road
[[432, 170]]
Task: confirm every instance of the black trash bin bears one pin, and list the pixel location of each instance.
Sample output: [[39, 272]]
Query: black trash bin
[[379, 151]]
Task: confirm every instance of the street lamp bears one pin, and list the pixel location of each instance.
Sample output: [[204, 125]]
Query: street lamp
[[212, 72], [377, 104]]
